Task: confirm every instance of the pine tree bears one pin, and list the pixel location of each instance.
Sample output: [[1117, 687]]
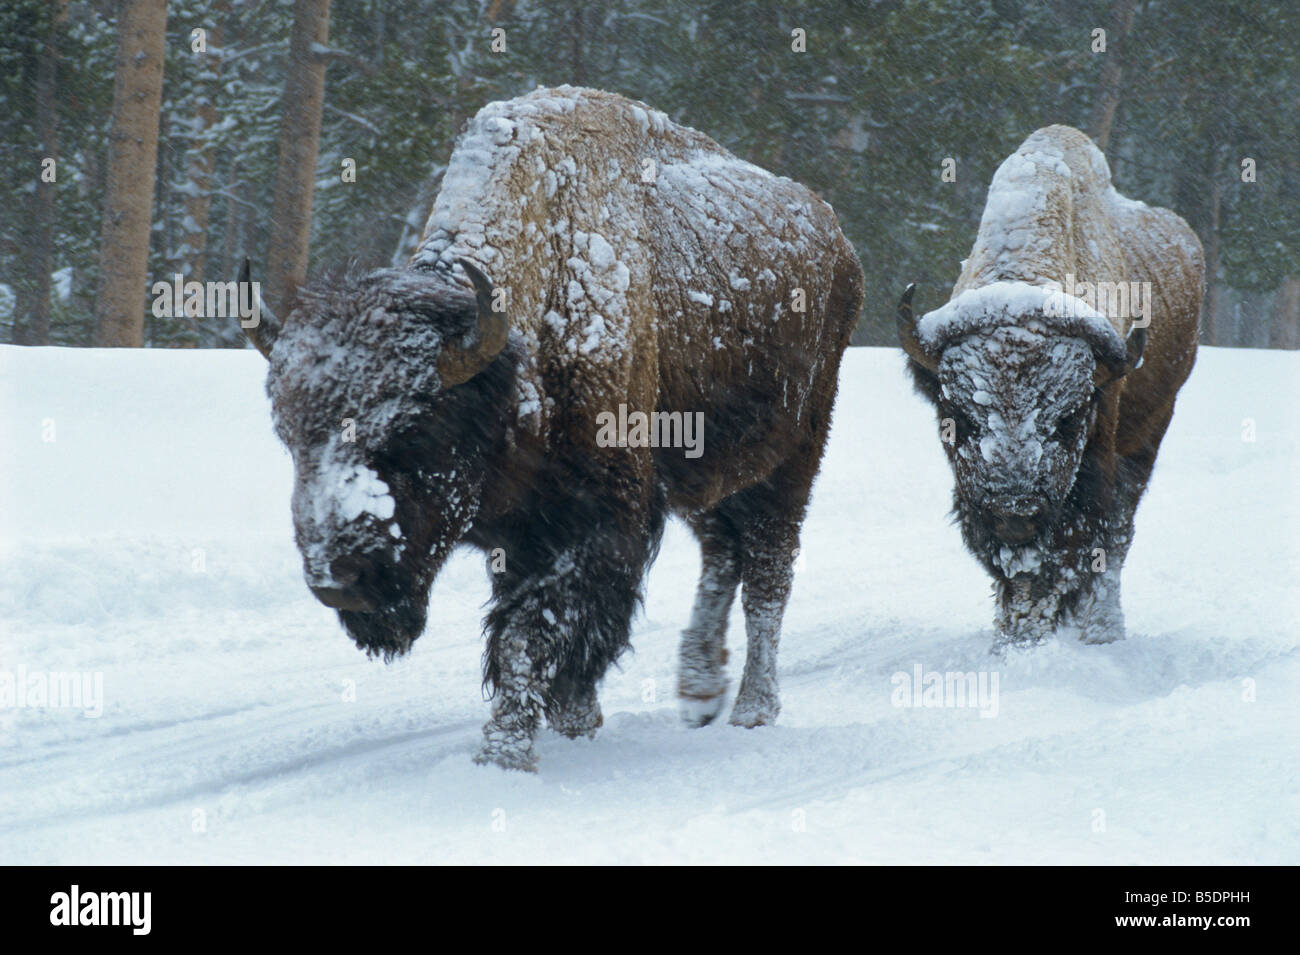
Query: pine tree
[[295, 177]]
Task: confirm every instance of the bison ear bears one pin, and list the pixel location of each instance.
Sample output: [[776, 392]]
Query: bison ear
[[905, 323], [1134, 344], [265, 328], [462, 360]]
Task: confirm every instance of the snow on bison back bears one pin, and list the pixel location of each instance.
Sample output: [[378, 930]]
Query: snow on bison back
[[661, 331], [1054, 369]]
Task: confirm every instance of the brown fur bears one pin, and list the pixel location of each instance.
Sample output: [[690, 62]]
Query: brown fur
[[678, 293], [1135, 243], [1053, 213]]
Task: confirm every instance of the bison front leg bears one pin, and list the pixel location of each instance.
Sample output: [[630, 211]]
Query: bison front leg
[[1100, 617], [579, 716], [522, 698], [702, 656], [562, 615], [520, 688]]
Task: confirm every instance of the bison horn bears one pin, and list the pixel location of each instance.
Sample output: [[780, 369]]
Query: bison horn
[[461, 361], [1133, 347], [264, 331], [905, 323]]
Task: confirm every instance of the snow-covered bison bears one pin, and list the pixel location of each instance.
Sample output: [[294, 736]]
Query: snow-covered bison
[[1054, 368], [662, 331]]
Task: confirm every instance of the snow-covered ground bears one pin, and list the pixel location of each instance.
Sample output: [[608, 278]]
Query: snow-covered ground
[[147, 539]]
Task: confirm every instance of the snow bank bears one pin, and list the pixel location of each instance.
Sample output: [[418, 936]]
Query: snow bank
[[150, 542]]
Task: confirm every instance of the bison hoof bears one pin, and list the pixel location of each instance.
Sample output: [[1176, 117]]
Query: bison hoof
[[1098, 636], [579, 722], [697, 711], [524, 762], [507, 750], [1004, 643], [749, 712]]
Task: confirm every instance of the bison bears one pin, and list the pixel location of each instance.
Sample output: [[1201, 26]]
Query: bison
[[636, 269], [1054, 368]]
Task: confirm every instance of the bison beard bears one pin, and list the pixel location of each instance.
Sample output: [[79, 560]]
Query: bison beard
[[389, 631], [474, 428]]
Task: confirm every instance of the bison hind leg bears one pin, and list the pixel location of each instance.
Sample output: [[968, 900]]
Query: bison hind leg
[[702, 655], [770, 541], [758, 701]]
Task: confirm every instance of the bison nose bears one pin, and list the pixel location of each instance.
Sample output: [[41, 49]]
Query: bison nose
[[342, 591], [1014, 528], [346, 571], [340, 599]]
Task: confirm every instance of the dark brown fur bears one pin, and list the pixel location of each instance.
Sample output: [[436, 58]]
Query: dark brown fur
[[1053, 215], [508, 461]]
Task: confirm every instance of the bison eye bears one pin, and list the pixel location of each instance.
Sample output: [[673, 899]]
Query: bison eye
[[1067, 429], [964, 426]]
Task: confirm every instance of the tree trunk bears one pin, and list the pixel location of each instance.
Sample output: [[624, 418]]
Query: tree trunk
[[132, 167], [1112, 71], [232, 250], [43, 211], [154, 331], [295, 174], [1209, 308], [1284, 329], [192, 260], [1197, 198]]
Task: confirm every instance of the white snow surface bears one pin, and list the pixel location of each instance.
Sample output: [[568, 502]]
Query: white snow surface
[[150, 541]]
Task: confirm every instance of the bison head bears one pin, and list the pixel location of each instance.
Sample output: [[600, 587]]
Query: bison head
[[381, 387], [1017, 396]]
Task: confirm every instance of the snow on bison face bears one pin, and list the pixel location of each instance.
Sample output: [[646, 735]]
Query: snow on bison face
[[1016, 408], [374, 390], [1017, 386]]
